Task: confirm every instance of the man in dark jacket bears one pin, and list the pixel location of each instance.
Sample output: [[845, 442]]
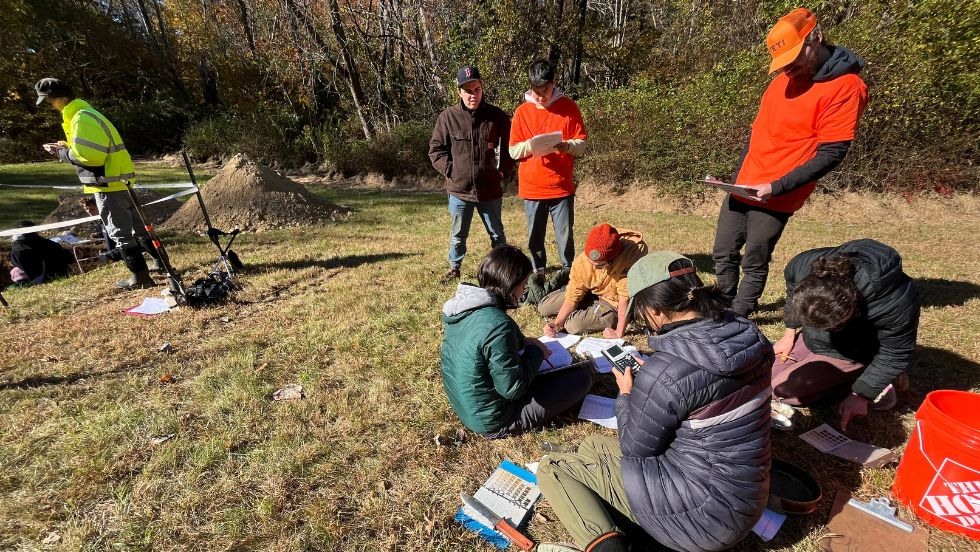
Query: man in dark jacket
[[468, 147], [807, 119], [41, 259], [859, 349]]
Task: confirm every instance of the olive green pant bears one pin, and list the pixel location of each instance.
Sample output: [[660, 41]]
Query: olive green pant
[[590, 315], [582, 488]]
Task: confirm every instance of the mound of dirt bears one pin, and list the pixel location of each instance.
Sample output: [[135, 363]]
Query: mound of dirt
[[69, 208], [253, 197]]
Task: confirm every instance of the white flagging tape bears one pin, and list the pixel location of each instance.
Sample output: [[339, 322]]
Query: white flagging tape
[[175, 185], [73, 222]]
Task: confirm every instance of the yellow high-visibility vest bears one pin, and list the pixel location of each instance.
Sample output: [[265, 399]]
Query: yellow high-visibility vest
[[95, 144]]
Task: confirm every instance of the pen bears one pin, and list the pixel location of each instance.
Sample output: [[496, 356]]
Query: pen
[[550, 364]]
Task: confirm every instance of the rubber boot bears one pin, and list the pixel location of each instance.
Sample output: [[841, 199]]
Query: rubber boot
[[140, 279], [155, 264]]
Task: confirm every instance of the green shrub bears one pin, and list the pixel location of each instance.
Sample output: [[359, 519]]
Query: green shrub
[[403, 151], [272, 136]]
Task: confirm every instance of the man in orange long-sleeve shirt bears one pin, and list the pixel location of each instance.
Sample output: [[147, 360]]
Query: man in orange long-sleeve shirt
[[545, 181]]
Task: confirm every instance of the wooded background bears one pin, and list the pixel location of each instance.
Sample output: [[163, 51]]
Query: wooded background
[[668, 88]]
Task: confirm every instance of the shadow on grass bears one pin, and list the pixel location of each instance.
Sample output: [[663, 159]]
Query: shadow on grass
[[937, 292], [350, 261], [33, 382]]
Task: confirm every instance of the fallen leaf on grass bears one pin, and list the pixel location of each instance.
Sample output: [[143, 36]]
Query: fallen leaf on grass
[[52, 538], [160, 439], [225, 319], [50, 359], [167, 348], [262, 367], [291, 392], [168, 378]]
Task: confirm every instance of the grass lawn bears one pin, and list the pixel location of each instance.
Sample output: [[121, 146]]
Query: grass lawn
[[350, 310]]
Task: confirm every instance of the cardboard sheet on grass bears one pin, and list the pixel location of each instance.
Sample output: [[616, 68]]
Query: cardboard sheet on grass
[[852, 530], [253, 197]]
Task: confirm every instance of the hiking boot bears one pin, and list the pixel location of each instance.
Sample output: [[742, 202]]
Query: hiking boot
[[451, 275], [137, 280]]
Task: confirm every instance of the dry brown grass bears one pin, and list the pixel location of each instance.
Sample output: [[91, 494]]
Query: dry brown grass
[[350, 311]]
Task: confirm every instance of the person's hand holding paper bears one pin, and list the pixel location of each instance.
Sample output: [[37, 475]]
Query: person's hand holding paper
[[544, 144]]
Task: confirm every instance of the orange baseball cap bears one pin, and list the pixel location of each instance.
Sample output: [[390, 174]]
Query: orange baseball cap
[[786, 38]]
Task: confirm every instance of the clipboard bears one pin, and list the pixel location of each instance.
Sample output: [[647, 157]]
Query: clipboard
[[734, 189]]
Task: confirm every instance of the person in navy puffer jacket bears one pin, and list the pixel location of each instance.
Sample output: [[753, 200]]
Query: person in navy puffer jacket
[[691, 465]]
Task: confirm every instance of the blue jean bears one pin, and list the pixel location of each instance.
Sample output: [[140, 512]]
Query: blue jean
[[562, 211], [461, 212]]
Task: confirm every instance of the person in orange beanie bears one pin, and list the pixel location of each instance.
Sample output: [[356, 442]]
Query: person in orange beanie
[[807, 119], [596, 297]]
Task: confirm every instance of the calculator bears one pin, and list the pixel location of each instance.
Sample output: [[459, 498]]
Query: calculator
[[621, 359]]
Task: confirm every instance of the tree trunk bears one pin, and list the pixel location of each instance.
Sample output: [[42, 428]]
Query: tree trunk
[[353, 74], [577, 72], [427, 38], [247, 25]]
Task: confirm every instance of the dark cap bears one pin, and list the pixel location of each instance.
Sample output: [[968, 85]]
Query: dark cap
[[467, 73], [51, 87]]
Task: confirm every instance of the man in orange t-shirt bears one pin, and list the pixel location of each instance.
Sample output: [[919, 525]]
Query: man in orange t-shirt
[[545, 173], [806, 122]]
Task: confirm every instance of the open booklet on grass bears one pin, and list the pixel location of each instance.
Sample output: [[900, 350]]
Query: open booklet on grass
[[560, 358]]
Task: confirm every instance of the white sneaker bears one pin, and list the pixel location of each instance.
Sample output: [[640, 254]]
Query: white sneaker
[[886, 400]]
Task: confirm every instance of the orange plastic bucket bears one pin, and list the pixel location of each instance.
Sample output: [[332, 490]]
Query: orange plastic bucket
[[939, 475]]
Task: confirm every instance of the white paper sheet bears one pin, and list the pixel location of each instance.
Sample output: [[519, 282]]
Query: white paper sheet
[[544, 144], [150, 306], [593, 346], [769, 524], [566, 340], [601, 410]]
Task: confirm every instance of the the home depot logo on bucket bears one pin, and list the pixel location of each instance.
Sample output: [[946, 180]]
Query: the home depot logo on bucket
[[954, 495]]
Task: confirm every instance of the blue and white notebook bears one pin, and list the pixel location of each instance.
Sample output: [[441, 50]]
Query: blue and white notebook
[[511, 492]]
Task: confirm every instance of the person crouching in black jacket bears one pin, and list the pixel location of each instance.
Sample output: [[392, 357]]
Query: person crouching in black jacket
[[691, 465], [852, 317]]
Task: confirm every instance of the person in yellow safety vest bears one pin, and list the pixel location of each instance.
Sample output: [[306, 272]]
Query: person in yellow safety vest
[[93, 145]]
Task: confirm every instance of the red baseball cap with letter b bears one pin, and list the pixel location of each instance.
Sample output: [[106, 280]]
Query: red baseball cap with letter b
[[786, 39]]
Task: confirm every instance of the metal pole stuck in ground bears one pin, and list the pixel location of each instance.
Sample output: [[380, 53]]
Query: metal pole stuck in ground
[[173, 278]]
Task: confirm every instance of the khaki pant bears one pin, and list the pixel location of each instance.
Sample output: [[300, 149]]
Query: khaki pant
[[584, 486], [590, 315]]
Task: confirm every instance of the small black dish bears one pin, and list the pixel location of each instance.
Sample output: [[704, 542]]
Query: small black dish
[[792, 490]]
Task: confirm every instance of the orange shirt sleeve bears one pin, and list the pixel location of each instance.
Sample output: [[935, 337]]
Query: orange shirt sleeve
[[575, 129], [518, 127], [839, 121], [579, 281]]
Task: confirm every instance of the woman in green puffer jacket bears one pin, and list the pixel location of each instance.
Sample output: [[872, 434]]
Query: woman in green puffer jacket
[[489, 369]]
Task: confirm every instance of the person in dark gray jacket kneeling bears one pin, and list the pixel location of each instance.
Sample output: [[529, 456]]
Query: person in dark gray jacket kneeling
[[691, 465]]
